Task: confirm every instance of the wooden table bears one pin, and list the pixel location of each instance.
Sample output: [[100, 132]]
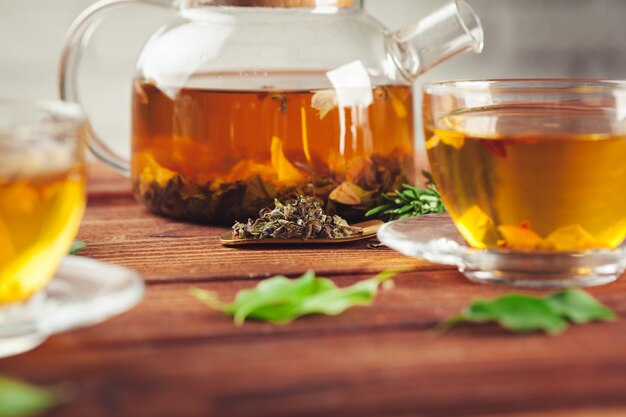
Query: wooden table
[[171, 356]]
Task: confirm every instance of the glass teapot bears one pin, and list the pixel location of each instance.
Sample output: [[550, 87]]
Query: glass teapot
[[239, 102]]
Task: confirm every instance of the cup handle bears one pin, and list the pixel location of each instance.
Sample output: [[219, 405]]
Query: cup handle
[[76, 41]]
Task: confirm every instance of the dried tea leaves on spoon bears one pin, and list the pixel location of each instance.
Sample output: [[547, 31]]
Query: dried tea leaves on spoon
[[304, 218]]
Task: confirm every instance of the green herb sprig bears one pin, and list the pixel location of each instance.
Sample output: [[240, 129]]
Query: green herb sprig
[[280, 300], [20, 399], [521, 313], [409, 201]]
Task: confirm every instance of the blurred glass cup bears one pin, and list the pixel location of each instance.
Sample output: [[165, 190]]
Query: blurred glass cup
[[42, 196]]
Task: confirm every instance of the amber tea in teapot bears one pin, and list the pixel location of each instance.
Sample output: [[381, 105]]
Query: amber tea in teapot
[[280, 144], [236, 103]]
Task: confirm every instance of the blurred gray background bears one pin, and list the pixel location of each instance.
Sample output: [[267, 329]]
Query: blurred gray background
[[523, 38]]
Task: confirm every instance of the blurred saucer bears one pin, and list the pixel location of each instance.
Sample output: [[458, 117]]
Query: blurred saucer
[[82, 293], [434, 238]]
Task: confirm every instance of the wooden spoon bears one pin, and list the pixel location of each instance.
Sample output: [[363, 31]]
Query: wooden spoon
[[369, 230]]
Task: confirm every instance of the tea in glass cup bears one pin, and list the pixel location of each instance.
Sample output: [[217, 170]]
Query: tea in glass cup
[[534, 166], [42, 195]]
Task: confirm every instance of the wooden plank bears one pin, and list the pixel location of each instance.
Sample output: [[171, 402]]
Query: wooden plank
[[418, 301], [586, 412], [397, 372], [171, 356], [119, 230], [163, 249], [367, 362], [106, 185]]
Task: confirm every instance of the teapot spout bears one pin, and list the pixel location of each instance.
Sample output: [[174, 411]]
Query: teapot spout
[[453, 29]]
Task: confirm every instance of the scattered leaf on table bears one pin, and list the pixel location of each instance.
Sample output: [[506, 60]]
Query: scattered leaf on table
[[77, 246], [525, 313], [518, 313], [579, 307], [280, 300], [19, 399]]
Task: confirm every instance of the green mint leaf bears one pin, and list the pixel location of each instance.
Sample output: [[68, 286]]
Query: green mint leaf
[[19, 399], [579, 307], [335, 300], [522, 313], [77, 246], [280, 300], [518, 313]]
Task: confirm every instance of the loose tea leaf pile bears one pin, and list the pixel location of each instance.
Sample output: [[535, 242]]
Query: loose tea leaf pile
[[252, 186], [280, 300], [304, 218], [525, 313]]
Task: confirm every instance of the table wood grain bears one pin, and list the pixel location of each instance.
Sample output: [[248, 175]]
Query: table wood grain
[[171, 356]]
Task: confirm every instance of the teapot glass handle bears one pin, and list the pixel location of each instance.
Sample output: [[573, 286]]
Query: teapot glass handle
[[76, 41]]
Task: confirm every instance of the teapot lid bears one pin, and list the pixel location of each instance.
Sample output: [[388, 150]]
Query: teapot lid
[[273, 3]]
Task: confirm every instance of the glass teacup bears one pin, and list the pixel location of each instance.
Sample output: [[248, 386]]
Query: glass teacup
[[533, 172], [42, 195]]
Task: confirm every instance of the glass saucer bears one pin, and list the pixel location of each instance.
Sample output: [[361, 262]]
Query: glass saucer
[[82, 293], [434, 238]]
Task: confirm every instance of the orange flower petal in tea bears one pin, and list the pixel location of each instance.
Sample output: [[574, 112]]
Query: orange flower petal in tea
[[474, 219], [614, 235], [348, 193], [247, 168], [520, 237], [573, 237], [153, 172], [454, 139], [286, 172], [432, 142], [324, 101]]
